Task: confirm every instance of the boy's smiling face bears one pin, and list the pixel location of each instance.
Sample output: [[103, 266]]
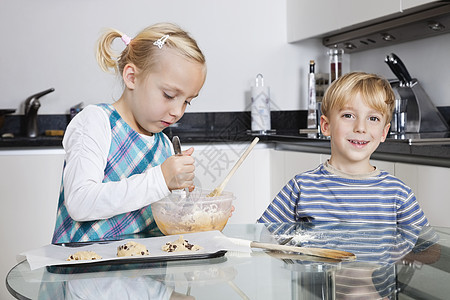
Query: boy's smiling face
[[356, 130]]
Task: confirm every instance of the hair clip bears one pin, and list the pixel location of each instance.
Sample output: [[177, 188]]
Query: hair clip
[[126, 39], [160, 43]]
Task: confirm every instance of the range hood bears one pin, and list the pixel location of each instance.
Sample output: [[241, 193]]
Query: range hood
[[412, 24]]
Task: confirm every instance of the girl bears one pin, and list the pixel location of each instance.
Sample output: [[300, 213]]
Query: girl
[[117, 159]]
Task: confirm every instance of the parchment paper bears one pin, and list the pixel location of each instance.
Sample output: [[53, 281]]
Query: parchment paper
[[52, 255]]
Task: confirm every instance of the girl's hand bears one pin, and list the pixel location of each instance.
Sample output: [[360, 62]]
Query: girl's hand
[[178, 170], [232, 209]]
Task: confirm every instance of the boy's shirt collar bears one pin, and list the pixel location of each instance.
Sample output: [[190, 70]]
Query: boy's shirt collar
[[335, 171]]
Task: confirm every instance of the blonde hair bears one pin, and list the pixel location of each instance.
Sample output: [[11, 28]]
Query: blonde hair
[[375, 91], [142, 52]]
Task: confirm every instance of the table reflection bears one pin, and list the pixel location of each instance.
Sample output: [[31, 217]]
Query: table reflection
[[143, 281], [110, 288], [378, 248]]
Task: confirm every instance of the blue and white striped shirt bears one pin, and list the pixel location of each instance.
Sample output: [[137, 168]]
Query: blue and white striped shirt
[[327, 194]]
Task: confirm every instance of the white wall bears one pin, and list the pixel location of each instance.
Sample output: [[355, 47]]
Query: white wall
[[50, 43], [428, 60]]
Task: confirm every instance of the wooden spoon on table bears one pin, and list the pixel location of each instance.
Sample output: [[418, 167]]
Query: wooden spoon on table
[[319, 252], [218, 190], [327, 253]]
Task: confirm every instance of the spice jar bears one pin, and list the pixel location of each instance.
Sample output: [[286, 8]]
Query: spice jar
[[335, 63]]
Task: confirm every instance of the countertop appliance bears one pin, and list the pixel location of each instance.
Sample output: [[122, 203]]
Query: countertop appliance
[[422, 114]]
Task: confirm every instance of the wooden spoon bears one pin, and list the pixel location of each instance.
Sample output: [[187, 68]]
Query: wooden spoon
[[218, 190], [327, 253], [320, 252]]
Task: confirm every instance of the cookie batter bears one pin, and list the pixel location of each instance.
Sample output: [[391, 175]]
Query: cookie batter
[[180, 245], [132, 249], [84, 255]]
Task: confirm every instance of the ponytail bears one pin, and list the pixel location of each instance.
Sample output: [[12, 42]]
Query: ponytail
[[105, 55], [142, 50]]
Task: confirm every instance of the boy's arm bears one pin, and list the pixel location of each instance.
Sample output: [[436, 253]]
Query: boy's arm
[[284, 207], [426, 250], [410, 212]]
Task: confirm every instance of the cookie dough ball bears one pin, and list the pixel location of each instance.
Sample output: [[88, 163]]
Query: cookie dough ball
[[84, 255], [180, 245], [132, 249]]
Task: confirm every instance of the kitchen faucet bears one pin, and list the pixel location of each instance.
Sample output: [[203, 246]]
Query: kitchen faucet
[[32, 105]]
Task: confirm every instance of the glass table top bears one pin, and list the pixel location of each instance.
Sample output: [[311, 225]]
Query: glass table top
[[391, 263]]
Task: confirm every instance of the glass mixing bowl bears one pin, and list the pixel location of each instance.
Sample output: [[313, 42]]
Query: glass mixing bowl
[[177, 214]]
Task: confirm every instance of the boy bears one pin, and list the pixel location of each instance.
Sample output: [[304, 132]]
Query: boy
[[356, 113]]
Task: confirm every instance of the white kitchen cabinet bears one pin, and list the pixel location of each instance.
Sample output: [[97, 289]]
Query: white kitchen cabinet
[[406, 4], [432, 189], [286, 164], [384, 165], [308, 19], [30, 182], [352, 12], [250, 184]]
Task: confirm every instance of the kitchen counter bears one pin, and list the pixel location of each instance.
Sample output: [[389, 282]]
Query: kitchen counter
[[391, 150], [22, 142], [232, 127], [12, 133], [394, 150]]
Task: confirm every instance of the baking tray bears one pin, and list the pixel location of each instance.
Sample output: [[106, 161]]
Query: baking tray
[[53, 257], [136, 263]]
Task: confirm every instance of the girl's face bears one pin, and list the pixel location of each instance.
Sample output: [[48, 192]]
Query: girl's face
[[158, 100], [356, 130]]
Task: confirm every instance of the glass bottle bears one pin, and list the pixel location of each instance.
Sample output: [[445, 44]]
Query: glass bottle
[[335, 63], [312, 121]]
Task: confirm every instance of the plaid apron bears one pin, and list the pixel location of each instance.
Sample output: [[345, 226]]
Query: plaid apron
[[129, 154]]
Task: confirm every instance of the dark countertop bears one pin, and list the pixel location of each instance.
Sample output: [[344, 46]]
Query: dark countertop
[[22, 142], [391, 150], [203, 128]]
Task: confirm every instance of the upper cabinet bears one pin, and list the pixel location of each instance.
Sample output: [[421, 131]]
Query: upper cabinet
[[308, 19], [406, 4]]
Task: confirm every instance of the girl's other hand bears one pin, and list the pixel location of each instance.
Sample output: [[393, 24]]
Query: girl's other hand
[[231, 212], [178, 170]]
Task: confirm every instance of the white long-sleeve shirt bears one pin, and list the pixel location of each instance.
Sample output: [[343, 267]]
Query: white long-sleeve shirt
[[87, 142]]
